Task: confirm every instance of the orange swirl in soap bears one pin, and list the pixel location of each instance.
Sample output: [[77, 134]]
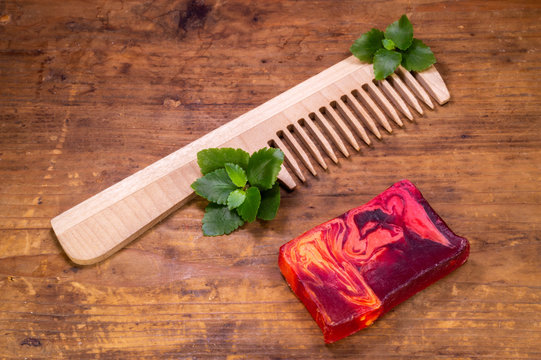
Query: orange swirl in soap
[[349, 270]]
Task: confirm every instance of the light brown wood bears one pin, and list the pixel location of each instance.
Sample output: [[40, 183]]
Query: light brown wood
[[320, 138], [406, 93], [288, 157], [415, 86], [362, 96], [384, 103], [299, 151], [337, 120], [286, 179], [431, 79], [330, 131], [101, 225], [309, 144], [353, 121], [361, 113], [94, 91], [395, 98]]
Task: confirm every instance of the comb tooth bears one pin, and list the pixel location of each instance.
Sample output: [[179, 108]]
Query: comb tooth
[[286, 179], [393, 95], [363, 114], [299, 151], [385, 103], [360, 116], [289, 158], [353, 121], [310, 144], [327, 96], [333, 134], [342, 126], [433, 83], [322, 139], [363, 94], [317, 101], [375, 109], [415, 86], [406, 93]]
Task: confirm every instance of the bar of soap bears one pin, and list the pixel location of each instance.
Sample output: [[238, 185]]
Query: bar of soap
[[352, 269]]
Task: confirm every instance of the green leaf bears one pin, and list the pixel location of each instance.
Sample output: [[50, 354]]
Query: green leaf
[[388, 44], [366, 46], [235, 199], [270, 201], [248, 209], [418, 57], [385, 63], [236, 174], [216, 158], [219, 220], [214, 186], [400, 32], [264, 166]]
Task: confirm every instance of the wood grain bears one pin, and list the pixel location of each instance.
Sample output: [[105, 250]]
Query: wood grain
[[93, 92]]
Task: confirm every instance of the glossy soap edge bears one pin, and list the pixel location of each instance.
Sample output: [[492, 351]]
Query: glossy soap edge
[[348, 327], [444, 267], [413, 286]]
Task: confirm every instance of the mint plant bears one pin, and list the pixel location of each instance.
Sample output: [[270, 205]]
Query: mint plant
[[386, 50], [239, 187]]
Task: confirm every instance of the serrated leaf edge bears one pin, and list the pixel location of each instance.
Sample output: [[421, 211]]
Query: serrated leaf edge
[[203, 196], [229, 202], [398, 23], [242, 222]]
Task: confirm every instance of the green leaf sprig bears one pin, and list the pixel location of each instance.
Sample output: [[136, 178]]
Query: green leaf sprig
[[394, 47], [240, 187]]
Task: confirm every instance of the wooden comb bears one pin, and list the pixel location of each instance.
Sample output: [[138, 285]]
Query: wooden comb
[[339, 103]]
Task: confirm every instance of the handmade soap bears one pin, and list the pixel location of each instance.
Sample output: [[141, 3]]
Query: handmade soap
[[352, 269]]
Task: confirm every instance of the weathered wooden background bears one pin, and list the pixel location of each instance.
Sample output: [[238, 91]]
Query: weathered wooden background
[[92, 91]]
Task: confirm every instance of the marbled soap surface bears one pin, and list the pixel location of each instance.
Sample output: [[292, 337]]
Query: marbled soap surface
[[351, 269]]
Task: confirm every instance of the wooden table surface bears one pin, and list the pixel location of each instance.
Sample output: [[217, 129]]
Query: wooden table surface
[[91, 92]]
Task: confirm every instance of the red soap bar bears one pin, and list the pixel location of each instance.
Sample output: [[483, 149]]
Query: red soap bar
[[352, 269]]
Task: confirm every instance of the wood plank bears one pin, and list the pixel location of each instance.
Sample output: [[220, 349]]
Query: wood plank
[[91, 93]]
